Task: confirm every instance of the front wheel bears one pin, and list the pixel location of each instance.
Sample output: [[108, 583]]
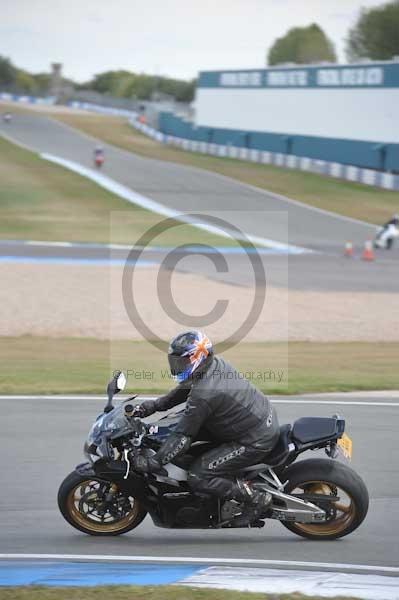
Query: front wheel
[[97, 507], [332, 479]]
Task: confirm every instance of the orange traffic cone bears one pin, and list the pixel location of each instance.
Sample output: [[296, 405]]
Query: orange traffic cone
[[368, 253], [348, 249]]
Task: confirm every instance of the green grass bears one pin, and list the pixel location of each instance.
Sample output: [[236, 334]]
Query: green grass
[[75, 365], [42, 201], [141, 593], [351, 199]]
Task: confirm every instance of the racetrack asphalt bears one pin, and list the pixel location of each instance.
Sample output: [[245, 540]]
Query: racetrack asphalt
[[42, 440], [189, 189], [319, 272]]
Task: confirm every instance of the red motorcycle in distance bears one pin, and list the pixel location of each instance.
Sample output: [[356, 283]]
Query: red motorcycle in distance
[[98, 157]]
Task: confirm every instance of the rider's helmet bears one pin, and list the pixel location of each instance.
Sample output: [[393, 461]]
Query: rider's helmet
[[395, 219], [187, 351]]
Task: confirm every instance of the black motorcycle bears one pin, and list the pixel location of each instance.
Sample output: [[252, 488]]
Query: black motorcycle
[[317, 498]]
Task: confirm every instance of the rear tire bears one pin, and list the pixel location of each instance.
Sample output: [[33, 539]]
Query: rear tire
[[80, 499], [328, 477]]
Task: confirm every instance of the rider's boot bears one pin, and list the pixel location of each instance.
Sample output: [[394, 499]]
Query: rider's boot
[[254, 504]]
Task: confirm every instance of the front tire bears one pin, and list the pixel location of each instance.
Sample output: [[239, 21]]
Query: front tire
[[96, 507], [331, 478]]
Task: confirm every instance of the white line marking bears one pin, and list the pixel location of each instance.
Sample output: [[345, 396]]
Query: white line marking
[[311, 583], [336, 402], [274, 399], [93, 245], [55, 397], [83, 245], [37, 243], [201, 561], [365, 394]]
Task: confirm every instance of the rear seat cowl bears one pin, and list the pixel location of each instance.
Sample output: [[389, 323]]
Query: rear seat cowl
[[312, 429]]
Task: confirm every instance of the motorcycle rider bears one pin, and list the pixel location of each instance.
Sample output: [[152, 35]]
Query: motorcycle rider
[[228, 410], [7, 117], [98, 155], [387, 233]]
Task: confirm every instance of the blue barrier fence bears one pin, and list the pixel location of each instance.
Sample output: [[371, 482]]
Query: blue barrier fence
[[388, 181], [368, 155], [49, 100]]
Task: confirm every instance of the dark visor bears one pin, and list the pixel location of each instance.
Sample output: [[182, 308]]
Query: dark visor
[[178, 364]]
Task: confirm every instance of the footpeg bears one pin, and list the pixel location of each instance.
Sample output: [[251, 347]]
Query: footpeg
[[258, 524]]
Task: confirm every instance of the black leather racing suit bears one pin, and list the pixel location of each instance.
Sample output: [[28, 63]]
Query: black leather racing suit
[[232, 412]]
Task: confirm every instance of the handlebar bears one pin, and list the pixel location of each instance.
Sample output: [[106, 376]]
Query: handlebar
[[136, 412], [133, 411]]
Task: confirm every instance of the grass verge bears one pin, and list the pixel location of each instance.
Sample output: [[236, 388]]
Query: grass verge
[[141, 593], [41, 201], [350, 199], [34, 365]]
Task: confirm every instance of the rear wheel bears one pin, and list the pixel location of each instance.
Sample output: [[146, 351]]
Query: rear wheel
[[98, 507], [331, 479]]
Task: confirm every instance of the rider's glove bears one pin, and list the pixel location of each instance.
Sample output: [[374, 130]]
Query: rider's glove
[[145, 409], [145, 464]]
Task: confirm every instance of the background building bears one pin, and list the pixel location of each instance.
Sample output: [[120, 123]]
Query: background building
[[346, 114]]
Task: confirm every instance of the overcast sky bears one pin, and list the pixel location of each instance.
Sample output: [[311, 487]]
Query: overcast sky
[[168, 37]]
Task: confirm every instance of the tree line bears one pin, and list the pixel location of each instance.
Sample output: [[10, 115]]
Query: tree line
[[375, 35], [13, 78], [122, 84]]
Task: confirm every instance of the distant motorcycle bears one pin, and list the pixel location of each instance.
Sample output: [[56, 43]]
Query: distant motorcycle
[[98, 157], [319, 498], [385, 236]]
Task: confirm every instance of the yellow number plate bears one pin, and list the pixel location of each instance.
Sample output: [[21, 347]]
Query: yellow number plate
[[345, 444]]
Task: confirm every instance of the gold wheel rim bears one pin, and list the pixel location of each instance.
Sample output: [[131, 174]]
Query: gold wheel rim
[[82, 495], [345, 509]]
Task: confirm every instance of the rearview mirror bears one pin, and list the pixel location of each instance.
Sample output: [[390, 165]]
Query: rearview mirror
[[117, 384], [121, 382]]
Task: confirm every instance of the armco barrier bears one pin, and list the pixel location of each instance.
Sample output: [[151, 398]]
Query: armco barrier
[[379, 179], [27, 99], [105, 110]]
